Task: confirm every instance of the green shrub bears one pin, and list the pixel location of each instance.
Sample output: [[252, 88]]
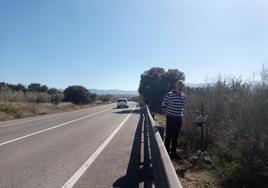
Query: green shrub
[[42, 97], [77, 95], [30, 96], [236, 130], [57, 98]]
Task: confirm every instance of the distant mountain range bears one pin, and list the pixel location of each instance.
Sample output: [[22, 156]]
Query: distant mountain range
[[116, 92], [126, 93], [195, 85]]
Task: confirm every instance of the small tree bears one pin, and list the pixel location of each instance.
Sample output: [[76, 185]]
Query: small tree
[[77, 95], [155, 83], [170, 78], [35, 87], [150, 87], [44, 88], [53, 91], [93, 97]]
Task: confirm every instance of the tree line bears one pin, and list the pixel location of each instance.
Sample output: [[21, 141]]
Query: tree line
[[36, 92]]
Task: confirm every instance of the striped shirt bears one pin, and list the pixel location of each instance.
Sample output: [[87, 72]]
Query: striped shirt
[[174, 104]]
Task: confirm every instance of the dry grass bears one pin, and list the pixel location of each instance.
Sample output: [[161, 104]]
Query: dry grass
[[17, 110]]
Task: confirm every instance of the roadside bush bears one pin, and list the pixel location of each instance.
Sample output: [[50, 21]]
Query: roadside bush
[[77, 95], [9, 95], [56, 98], [236, 130], [36, 93], [42, 97], [105, 98], [93, 97], [30, 96]]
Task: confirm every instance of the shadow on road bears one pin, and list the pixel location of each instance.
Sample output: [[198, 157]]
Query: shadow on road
[[138, 171], [128, 111]]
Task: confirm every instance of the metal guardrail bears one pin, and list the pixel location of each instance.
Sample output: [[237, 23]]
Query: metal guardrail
[[163, 170]]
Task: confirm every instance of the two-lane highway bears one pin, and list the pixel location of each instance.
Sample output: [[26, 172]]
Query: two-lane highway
[[85, 148]]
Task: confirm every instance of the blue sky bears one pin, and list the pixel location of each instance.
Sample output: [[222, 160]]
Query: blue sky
[[108, 44]]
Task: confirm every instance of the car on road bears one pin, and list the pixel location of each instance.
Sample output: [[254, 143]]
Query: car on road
[[122, 103]]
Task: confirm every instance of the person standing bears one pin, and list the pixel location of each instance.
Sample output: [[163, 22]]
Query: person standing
[[173, 105]]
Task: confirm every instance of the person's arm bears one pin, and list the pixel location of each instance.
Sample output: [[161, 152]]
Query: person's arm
[[184, 101], [164, 105]]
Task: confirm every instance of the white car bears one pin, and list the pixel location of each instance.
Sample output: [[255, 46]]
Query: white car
[[122, 102]]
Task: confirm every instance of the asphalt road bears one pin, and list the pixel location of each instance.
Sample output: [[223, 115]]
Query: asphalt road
[[95, 147]]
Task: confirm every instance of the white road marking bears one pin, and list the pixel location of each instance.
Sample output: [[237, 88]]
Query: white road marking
[[54, 127], [76, 176]]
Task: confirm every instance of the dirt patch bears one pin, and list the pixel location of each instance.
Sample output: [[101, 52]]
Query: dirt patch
[[193, 177]]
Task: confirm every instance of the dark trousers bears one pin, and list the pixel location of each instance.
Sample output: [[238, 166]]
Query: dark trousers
[[173, 127]]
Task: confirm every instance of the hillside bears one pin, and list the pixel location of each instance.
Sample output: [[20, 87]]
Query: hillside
[[115, 92]]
